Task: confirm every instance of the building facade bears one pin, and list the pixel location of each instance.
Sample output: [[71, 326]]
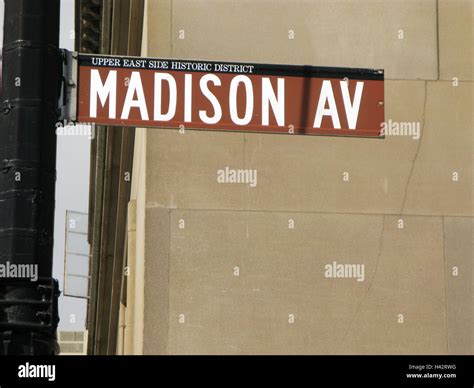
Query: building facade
[[222, 268], [73, 343]]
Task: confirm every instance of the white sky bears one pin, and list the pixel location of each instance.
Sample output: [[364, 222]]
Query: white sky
[[72, 188]]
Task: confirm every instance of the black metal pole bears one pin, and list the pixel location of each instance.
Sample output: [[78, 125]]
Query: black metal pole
[[31, 80]]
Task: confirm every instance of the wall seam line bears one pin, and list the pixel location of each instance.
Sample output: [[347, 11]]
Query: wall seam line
[[445, 287], [417, 149]]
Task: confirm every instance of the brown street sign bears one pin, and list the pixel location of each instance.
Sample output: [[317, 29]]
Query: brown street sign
[[223, 96]]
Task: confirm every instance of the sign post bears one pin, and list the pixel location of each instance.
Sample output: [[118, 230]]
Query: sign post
[[31, 83], [224, 96]]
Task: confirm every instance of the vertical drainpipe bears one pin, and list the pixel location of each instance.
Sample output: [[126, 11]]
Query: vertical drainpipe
[[32, 66]]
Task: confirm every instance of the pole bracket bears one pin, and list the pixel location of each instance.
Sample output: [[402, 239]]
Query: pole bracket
[[68, 97], [29, 305]]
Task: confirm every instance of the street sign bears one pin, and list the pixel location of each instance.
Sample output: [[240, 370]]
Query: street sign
[[223, 96]]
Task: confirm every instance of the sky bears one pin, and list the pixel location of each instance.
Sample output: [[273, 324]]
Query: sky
[[72, 188], [72, 185]]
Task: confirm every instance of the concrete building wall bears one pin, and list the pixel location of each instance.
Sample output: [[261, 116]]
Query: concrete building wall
[[72, 343], [224, 271]]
